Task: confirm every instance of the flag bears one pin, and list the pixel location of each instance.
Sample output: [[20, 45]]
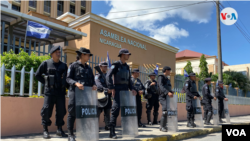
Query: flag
[[108, 61], [230, 85], [185, 73], [37, 30], [156, 70], [217, 83]]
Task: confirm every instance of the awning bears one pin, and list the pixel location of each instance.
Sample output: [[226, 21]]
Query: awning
[[19, 22]]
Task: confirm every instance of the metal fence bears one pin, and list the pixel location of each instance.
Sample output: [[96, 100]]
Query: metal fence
[[241, 93], [232, 91]]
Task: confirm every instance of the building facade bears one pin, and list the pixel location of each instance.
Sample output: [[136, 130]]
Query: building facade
[[243, 68], [53, 8], [194, 57]]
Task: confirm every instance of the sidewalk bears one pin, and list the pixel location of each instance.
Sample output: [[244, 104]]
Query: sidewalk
[[150, 133]]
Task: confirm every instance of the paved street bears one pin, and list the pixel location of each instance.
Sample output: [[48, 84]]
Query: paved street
[[144, 133], [208, 137]]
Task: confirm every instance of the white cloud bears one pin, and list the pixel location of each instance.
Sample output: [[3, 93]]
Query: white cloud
[[199, 13]]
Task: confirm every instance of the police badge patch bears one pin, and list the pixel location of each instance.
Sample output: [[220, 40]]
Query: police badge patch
[[217, 90], [113, 66], [206, 87], [186, 84], [68, 70], [96, 77]]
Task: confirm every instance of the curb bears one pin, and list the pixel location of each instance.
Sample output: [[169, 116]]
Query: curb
[[180, 136]]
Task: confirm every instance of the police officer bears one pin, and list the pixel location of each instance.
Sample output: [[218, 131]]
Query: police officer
[[105, 103], [207, 101], [79, 75], [191, 93], [55, 89], [220, 95], [153, 98], [164, 88], [140, 89], [122, 75]]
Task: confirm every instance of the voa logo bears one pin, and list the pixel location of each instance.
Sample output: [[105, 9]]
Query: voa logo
[[235, 132], [228, 16]]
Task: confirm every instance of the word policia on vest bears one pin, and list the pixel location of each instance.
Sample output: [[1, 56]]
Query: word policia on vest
[[119, 38]]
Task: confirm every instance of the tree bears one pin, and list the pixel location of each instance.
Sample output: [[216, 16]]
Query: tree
[[23, 59], [203, 68], [188, 67]]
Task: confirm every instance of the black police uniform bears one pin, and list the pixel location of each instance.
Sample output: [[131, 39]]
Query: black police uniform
[[100, 80], [138, 86], [153, 101], [220, 96], [164, 87], [207, 101], [80, 73], [191, 91], [54, 92]]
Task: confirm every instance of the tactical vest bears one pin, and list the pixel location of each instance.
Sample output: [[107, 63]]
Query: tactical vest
[[83, 75], [166, 84], [55, 78], [153, 88], [136, 84], [103, 80], [193, 88], [122, 76]]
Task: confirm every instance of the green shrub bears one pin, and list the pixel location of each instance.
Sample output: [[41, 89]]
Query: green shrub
[[23, 59]]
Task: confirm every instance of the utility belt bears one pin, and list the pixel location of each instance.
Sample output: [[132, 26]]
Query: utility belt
[[51, 83]]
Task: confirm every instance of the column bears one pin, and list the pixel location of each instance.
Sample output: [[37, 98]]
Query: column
[[88, 6], [197, 83], [226, 88], [71, 53], [53, 9], [66, 6], [40, 6], [172, 77], [78, 8], [24, 7], [237, 90]]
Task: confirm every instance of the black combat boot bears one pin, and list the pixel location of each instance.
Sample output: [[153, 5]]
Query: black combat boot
[[163, 124], [155, 118], [45, 132], [192, 122], [189, 123], [140, 124], [112, 132], [60, 132], [71, 136], [149, 117], [209, 115]]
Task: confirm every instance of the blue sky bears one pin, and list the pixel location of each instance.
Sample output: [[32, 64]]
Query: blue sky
[[192, 27]]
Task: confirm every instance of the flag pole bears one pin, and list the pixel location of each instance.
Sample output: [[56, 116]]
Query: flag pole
[[25, 37]]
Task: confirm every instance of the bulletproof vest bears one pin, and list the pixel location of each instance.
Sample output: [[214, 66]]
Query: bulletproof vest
[[83, 75], [193, 87], [103, 80], [168, 85], [122, 76], [221, 92], [137, 84], [55, 77], [153, 88]]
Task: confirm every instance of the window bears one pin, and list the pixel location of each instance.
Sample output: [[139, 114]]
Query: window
[[59, 8], [32, 3], [72, 9], [47, 6], [16, 8], [82, 12], [83, 3]]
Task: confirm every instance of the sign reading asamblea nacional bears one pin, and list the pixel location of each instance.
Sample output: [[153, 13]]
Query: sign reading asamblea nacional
[[120, 39]]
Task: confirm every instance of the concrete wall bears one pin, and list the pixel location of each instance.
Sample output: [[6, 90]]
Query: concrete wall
[[22, 115]]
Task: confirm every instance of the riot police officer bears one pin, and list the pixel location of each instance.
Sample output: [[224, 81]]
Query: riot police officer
[[104, 103], [207, 101], [164, 88], [153, 98], [220, 95], [55, 89], [122, 82], [140, 89], [191, 93], [79, 75]]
